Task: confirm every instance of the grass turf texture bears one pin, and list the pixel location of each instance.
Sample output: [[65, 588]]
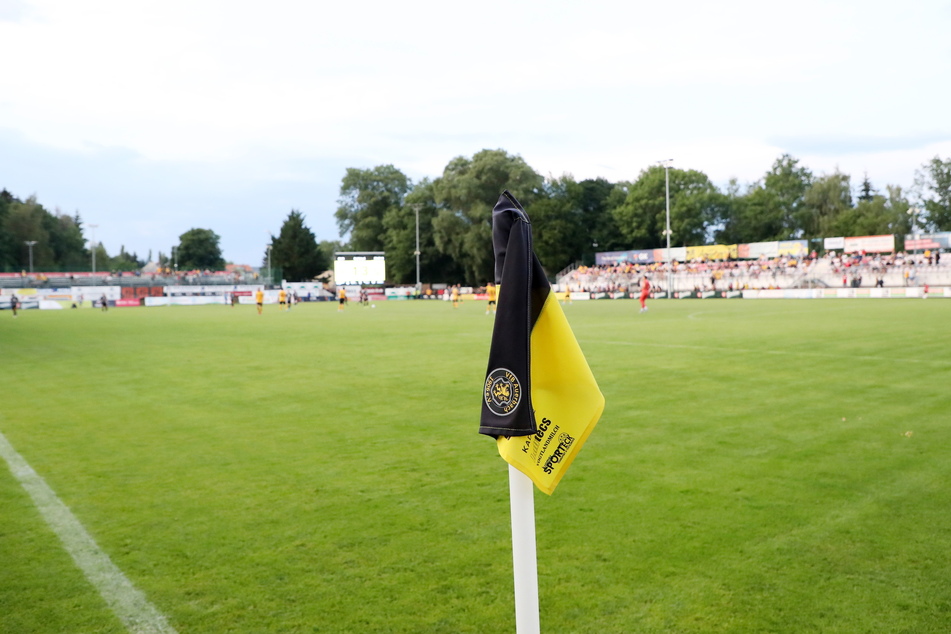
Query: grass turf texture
[[320, 472]]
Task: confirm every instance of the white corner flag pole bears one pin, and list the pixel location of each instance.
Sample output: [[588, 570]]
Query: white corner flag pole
[[522, 501]]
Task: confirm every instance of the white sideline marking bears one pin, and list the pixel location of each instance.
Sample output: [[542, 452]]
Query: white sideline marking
[[129, 604]]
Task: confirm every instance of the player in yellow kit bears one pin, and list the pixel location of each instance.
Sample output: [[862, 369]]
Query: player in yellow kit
[[259, 299], [491, 294], [341, 298], [282, 299]]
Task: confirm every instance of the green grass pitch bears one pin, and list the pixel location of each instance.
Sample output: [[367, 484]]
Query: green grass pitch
[[761, 466]]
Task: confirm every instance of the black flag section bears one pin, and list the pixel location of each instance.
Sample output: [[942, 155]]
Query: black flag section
[[523, 288]]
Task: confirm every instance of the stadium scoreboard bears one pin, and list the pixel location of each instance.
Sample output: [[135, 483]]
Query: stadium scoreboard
[[367, 267]]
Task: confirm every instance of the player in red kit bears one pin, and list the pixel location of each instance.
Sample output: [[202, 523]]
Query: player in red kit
[[645, 291]]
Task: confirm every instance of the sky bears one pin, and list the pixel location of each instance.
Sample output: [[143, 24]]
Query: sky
[[150, 118]]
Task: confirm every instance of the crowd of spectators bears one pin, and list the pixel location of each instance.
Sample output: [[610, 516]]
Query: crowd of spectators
[[785, 271], [159, 277]]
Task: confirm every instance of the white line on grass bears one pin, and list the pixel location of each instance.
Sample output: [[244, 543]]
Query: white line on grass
[[129, 604]]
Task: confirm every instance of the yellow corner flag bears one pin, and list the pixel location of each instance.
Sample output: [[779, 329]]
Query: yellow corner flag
[[540, 399]]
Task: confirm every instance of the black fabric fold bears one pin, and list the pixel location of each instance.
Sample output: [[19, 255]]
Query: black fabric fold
[[523, 289]]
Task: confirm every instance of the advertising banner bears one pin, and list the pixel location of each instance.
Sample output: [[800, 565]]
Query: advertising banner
[[712, 252], [789, 293], [175, 291], [922, 241], [24, 302], [637, 256], [402, 292], [870, 244], [611, 257], [757, 250], [93, 293], [833, 244], [678, 254], [644, 256], [308, 291], [798, 248]]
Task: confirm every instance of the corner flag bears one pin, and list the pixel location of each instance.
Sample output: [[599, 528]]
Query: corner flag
[[540, 400]]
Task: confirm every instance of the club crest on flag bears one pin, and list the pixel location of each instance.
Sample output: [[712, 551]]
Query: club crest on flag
[[503, 392]]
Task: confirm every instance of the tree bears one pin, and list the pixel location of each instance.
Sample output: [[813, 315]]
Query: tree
[[735, 226], [559, 234], [67, 242], [771, 208], [399, 239], [786, 184], [596, 199], [295, 250], [878, 215], [466, 193], [826, 199], [365, 197], [867, 193], [125, 261], [7, 258], [695, 206], [933, 185], [25, 221], [400, 225], [199, 249], [328, 248]]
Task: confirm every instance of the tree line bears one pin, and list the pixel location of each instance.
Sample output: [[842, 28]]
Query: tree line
[[571, 219], [59, 243], [57, 237], [378, 210]]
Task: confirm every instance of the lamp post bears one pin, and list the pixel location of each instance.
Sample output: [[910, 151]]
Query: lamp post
[[670, 265], [29, 244], [93, 227], [913, 212], [419, 285], [269, 281]]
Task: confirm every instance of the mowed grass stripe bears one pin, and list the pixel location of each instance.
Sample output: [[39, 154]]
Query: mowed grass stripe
[[310, 471]]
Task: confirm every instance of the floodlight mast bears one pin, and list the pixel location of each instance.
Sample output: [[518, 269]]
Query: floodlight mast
[[913, 212], [93, 227], [419, 287], [670, 266], [269, 274], [29, 244]]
